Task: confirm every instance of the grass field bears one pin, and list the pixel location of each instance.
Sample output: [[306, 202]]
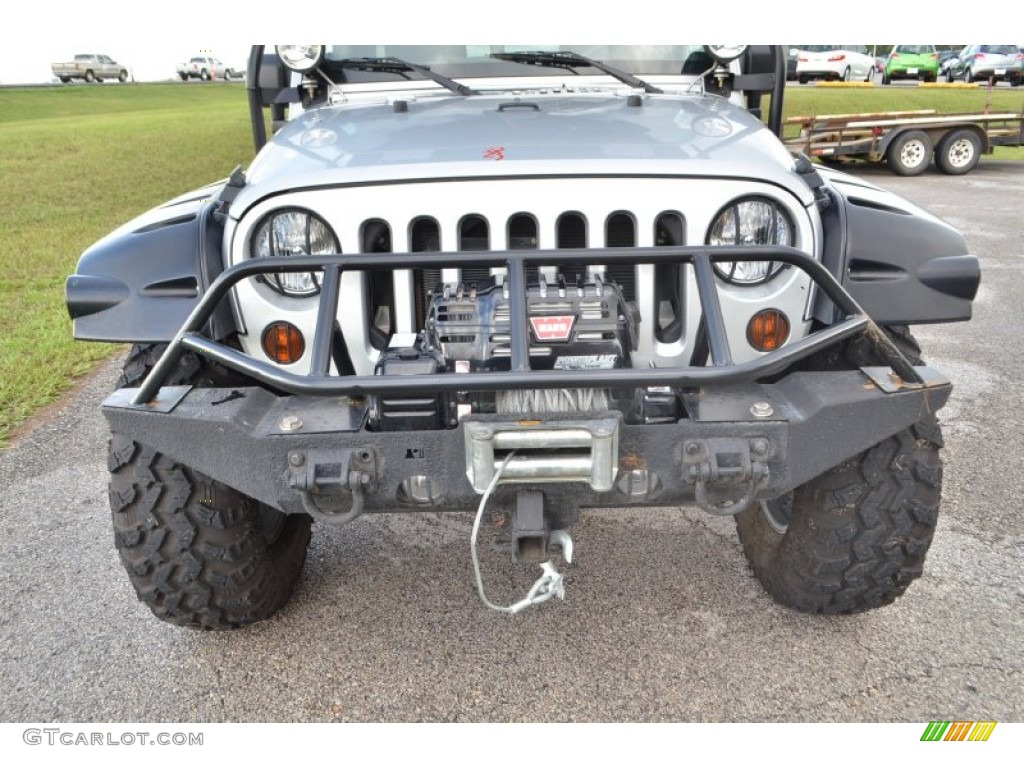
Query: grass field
[[79, 161], [76, 163]]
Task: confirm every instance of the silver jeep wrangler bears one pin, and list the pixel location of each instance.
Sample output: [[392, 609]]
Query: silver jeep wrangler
[[540, 280]]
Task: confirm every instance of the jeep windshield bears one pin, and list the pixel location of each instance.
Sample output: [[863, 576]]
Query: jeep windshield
[[505, 61]]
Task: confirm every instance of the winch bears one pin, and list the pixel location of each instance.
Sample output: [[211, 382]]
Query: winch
[[575, 323]]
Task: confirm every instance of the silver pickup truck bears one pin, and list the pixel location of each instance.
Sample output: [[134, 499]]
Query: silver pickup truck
[[90, 67]]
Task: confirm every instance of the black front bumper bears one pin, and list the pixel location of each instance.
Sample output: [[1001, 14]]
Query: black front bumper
[[739, 439], [288, 450]]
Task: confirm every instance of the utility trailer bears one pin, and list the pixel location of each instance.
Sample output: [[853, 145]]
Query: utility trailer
[[907, 140]]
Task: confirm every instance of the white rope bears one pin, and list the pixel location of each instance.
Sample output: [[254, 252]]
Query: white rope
[[547, 586]]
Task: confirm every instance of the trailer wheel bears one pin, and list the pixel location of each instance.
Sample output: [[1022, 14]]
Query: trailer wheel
[[958, 152], [909, 153]]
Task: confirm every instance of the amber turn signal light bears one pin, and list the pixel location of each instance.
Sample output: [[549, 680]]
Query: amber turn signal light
[[768, 330], [283, 343]]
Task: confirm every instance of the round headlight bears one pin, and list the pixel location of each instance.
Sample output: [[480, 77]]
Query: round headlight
[[751, 221], [725, 53], [301, 58], [293, 233]]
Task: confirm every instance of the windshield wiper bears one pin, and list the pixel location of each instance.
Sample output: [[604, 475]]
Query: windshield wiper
[[569, 60], [400, 66]]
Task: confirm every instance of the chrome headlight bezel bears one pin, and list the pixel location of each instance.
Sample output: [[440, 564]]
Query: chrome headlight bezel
[[776, 228], [302, 233]]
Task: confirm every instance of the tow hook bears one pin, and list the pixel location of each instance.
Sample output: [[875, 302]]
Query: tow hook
[[531, 538]]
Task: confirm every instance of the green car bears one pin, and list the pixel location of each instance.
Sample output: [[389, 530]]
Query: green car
[[916, 62]]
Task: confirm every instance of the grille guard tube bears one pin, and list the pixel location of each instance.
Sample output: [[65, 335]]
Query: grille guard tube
[[319, 382]]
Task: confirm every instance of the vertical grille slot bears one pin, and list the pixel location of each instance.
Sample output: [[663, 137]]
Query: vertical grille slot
[[425, 236], [522, 232], [474, 235], [669, 229], [380, 284], [620, 232], [571, 232]]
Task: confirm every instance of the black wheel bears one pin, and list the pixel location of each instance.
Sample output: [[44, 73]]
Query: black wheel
[[183, 76], [89, 76], [871, 75], [122, 76], [968, 75], [886, 78], [958, 152], [802, 79], [949, 76], [199, 554], [856, 536], [909, 153], [846, 75], [204, 75], [65, 79]]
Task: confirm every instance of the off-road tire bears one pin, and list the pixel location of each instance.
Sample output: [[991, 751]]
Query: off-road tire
[[199, 554], [856, 536]]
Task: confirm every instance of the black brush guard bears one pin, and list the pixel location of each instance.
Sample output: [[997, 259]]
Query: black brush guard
[[743, 437], [850, 320]]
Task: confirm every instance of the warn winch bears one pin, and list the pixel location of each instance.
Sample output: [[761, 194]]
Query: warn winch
[[575, 325]]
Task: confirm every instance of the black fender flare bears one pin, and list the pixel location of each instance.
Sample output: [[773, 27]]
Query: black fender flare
[[140, 283], [902, 265]]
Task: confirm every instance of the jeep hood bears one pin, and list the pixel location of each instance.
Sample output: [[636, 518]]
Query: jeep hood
[[534, 134]]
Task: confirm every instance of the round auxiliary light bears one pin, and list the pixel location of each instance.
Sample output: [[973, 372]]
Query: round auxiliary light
[[768, 330], [283, 342], [723, 54], [750, 221], [301, 58]]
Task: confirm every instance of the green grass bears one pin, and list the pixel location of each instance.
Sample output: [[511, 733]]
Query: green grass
[[77, 162]]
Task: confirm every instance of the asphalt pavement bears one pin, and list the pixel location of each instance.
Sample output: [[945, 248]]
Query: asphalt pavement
[[662, 620]]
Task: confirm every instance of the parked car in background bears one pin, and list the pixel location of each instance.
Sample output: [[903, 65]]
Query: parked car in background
[[945, 55], [987, 62], [913, 62], [91, 67], [834, 62], [206, 68]]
